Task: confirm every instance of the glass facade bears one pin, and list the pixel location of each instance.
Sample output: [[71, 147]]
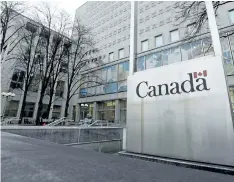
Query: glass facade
[[188, 51], [112, 79], [106, 111], [85, 110]]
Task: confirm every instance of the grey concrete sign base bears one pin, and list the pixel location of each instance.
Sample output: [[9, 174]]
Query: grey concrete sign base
[[182, 163]]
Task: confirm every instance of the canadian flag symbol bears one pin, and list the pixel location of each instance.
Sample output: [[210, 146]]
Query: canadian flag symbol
[[196, 74]]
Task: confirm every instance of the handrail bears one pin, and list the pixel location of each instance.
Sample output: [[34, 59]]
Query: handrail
[[99, 121], [56, 122]]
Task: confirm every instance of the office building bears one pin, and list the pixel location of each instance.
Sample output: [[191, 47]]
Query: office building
[[160, 41]]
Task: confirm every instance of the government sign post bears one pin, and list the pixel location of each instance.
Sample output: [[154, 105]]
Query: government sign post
[[181, 111]]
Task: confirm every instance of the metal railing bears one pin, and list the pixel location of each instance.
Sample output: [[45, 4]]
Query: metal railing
[[62, 121], [99, 123], [56, 122]]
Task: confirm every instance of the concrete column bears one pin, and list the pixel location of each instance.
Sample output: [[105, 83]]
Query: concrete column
[[52, 104], [36, 104], [77, 113], [20, 102], [40, 86], [117, 111], [133, 37], [30, 67], [95, 110]]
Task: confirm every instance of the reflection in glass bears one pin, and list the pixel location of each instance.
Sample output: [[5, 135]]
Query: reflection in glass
[[110, 88], [228, 62], [141, 63], [186, 52], [123, 70], [227, 56], [103, 74], [112, 74], [122, 86], [165, 54], [100, 89], [197, 49], [174, 56], [91, 91], [83, 92], [153, 60], [207, 47]]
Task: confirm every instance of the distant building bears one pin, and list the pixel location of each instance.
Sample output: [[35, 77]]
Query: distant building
[[12, 78]]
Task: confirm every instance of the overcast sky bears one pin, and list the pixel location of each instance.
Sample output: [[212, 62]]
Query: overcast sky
[[68, 5]]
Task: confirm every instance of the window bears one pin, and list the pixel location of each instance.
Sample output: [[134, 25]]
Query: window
[[231, 93], [141, 63], [122, 86], [110, 88], [56, 112], [111, 56], [17, 79], [123, 70], [34, 85], [121, 53], [158, 41], [112, 73], [227, 56], [11, 108], [231, 15], [197, 49], [153, 60], [144, 45], [28, 110], [186, 52], [174, 35], [91, 91], [190, 28], [59, 88]]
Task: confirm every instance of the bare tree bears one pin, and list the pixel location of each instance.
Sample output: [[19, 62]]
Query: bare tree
[[11, 23], [82, 54], [28, 55], [195, 13], [54, 25]]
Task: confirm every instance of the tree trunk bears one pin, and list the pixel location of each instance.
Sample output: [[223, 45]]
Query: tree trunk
[[23, 105], [3, 39], [66, 108], [67, 104], [40, 107], [49, 104]]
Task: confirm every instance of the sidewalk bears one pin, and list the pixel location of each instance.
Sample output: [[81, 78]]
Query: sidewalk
[[27, 160]]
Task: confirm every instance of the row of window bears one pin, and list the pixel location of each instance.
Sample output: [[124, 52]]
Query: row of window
[[153, 4], [188, 51], [110, 34], [114, 87], [109, 16], [110, 10], [17, 81], [114, 73], [174, 36], [121, 55]]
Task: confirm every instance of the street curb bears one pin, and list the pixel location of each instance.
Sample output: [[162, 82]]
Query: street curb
[[182, 163]]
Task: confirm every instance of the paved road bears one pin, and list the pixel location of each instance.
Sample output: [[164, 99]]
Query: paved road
[[31, 160]]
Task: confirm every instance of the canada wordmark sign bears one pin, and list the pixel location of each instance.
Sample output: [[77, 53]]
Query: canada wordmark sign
[[181, 111]]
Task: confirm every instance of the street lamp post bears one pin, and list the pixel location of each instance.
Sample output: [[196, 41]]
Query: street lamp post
[[7, 95]]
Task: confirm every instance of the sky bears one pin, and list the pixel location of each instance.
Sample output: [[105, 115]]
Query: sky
[[68, 5]]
